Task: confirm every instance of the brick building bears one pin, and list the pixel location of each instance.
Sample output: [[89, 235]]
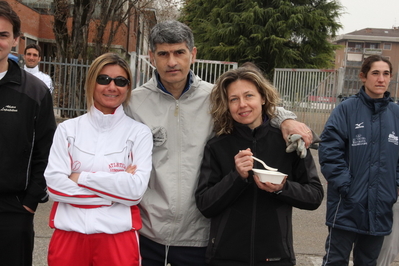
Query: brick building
[[37, 20]]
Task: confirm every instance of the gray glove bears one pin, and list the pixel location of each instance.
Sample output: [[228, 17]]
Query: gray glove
[[295, 142]]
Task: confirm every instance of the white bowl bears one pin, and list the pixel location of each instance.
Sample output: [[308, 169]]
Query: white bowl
[[273, 177]]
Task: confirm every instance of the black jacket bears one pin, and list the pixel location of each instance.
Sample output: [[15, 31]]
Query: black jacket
[[26, 133], [250, 226]]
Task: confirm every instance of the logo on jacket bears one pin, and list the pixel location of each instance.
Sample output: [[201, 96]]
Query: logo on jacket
[[159, 136], [116, 167], [75, 166], [393, 138], [359, 140], [360, 125], [9, 108]]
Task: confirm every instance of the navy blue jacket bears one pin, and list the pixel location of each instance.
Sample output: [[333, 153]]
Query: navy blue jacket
[[359, 155]]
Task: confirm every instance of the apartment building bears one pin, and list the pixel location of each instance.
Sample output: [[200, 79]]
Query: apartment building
[[358, 45]]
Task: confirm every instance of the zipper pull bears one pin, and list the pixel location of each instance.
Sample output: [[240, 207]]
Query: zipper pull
[[177, 110]]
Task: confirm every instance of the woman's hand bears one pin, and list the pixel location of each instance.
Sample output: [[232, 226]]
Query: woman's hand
[[74, 177], [244, 162], [269, 187], [131, 169]]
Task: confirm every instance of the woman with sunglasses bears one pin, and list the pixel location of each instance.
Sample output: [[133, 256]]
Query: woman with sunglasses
[[92, 175]]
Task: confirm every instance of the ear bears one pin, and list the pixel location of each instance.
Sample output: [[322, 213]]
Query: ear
[[16, 40], [362, 77], [193, 55], [152, 58]]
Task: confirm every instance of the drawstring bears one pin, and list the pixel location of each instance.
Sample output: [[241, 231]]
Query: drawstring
[[166, 255]]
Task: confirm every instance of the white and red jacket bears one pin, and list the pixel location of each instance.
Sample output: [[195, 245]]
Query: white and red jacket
[[99, 147]]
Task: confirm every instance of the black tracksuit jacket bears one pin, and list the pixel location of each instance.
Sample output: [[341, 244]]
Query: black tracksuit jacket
[[27, 126], [250, 226]]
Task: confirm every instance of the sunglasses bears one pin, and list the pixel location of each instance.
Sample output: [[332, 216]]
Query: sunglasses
[[105, 80]]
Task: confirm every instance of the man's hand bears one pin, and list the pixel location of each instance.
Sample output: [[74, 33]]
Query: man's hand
[[290, 127], [28, 209]]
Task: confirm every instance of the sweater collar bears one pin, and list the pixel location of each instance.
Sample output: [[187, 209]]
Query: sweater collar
[[105, 122], [33, 70], [186, 88]]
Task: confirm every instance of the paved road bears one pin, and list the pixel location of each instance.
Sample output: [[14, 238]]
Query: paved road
[[309, 233]]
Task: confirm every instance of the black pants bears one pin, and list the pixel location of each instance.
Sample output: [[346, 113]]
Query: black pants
[[339, 243], [153, 254], [16, 239]]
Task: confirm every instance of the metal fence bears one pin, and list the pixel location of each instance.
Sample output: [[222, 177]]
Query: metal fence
[[208, 70], [68, 79], [69, 76], [313, 93]]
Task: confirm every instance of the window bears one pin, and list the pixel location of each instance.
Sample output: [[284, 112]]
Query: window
[[387, 46], [30, 41]]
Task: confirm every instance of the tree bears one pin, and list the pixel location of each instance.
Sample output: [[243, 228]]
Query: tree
[[106, 15], [74, 44], [271, 34]]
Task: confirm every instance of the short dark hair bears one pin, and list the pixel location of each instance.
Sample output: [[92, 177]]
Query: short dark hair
[[8, 13], [366, 66], [34, 46], [171, 32]]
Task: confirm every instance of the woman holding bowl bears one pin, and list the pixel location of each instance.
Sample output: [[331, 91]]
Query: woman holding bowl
[[250, 220]]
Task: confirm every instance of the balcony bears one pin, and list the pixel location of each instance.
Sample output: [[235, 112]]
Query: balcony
[[354, 50], [371, 51]]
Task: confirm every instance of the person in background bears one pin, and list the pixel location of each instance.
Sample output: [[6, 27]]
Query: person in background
[[27, 125], [359, 157], [13, 57], [98, 171], [174, 103], [32, 57], [251, 221], [390, 246]]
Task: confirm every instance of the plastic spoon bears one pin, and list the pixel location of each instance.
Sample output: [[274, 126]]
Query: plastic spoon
[[264, 165]]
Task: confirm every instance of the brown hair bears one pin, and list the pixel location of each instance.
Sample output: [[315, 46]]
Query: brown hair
[[8, 13], [223, 121], [366, 66], [34, 46]]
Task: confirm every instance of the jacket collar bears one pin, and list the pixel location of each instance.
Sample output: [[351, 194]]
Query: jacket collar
[[13, 74], [376, 105], [154, 83], [104, 122], [245, 132], [162, 87]]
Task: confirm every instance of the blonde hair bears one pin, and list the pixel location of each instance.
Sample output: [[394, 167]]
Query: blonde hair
[[223, 121], [98, 64]]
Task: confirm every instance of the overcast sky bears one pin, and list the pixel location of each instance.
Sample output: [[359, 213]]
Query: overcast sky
[[362, 14]]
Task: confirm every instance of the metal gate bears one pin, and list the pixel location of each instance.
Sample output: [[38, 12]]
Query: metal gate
[[310, 93], [313, 93], [208, 70]]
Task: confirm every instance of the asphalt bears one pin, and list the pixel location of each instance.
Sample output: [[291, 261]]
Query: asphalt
[[309, 229]]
